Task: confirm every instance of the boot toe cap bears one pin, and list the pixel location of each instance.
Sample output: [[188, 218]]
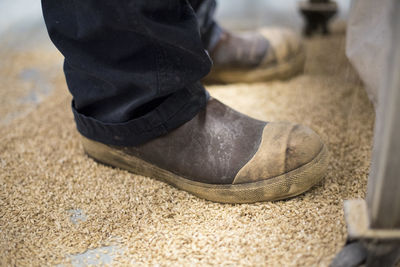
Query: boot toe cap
[[302, 147], [284, 148]]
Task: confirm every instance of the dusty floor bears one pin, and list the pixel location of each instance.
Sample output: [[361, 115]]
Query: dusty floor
[[55, 203]]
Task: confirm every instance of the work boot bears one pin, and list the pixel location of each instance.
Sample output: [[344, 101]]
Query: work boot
[[225, 156], [266, 54]]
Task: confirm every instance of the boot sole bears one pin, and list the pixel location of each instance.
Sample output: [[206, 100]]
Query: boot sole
[[281, 71], [280, 187]]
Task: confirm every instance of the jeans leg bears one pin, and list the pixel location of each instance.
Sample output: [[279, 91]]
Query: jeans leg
[[132, 66], [209, 29]]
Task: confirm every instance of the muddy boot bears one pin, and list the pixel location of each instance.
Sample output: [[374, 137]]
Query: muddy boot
[[266, 54], [225, 156]]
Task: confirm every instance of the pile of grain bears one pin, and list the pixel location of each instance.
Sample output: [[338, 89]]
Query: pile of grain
[[45, 174]]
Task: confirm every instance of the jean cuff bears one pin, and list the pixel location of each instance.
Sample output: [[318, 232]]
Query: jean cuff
[[177, 109]]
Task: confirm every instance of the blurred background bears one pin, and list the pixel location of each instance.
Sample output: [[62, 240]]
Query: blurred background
[[22, 19]]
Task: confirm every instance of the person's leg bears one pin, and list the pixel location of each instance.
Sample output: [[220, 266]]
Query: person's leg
[[133, 67]]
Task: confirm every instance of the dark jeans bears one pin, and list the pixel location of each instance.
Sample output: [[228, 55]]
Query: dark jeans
[[133, 66]]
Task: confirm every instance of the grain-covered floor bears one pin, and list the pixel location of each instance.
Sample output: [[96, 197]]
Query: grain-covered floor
[[56, 203]]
